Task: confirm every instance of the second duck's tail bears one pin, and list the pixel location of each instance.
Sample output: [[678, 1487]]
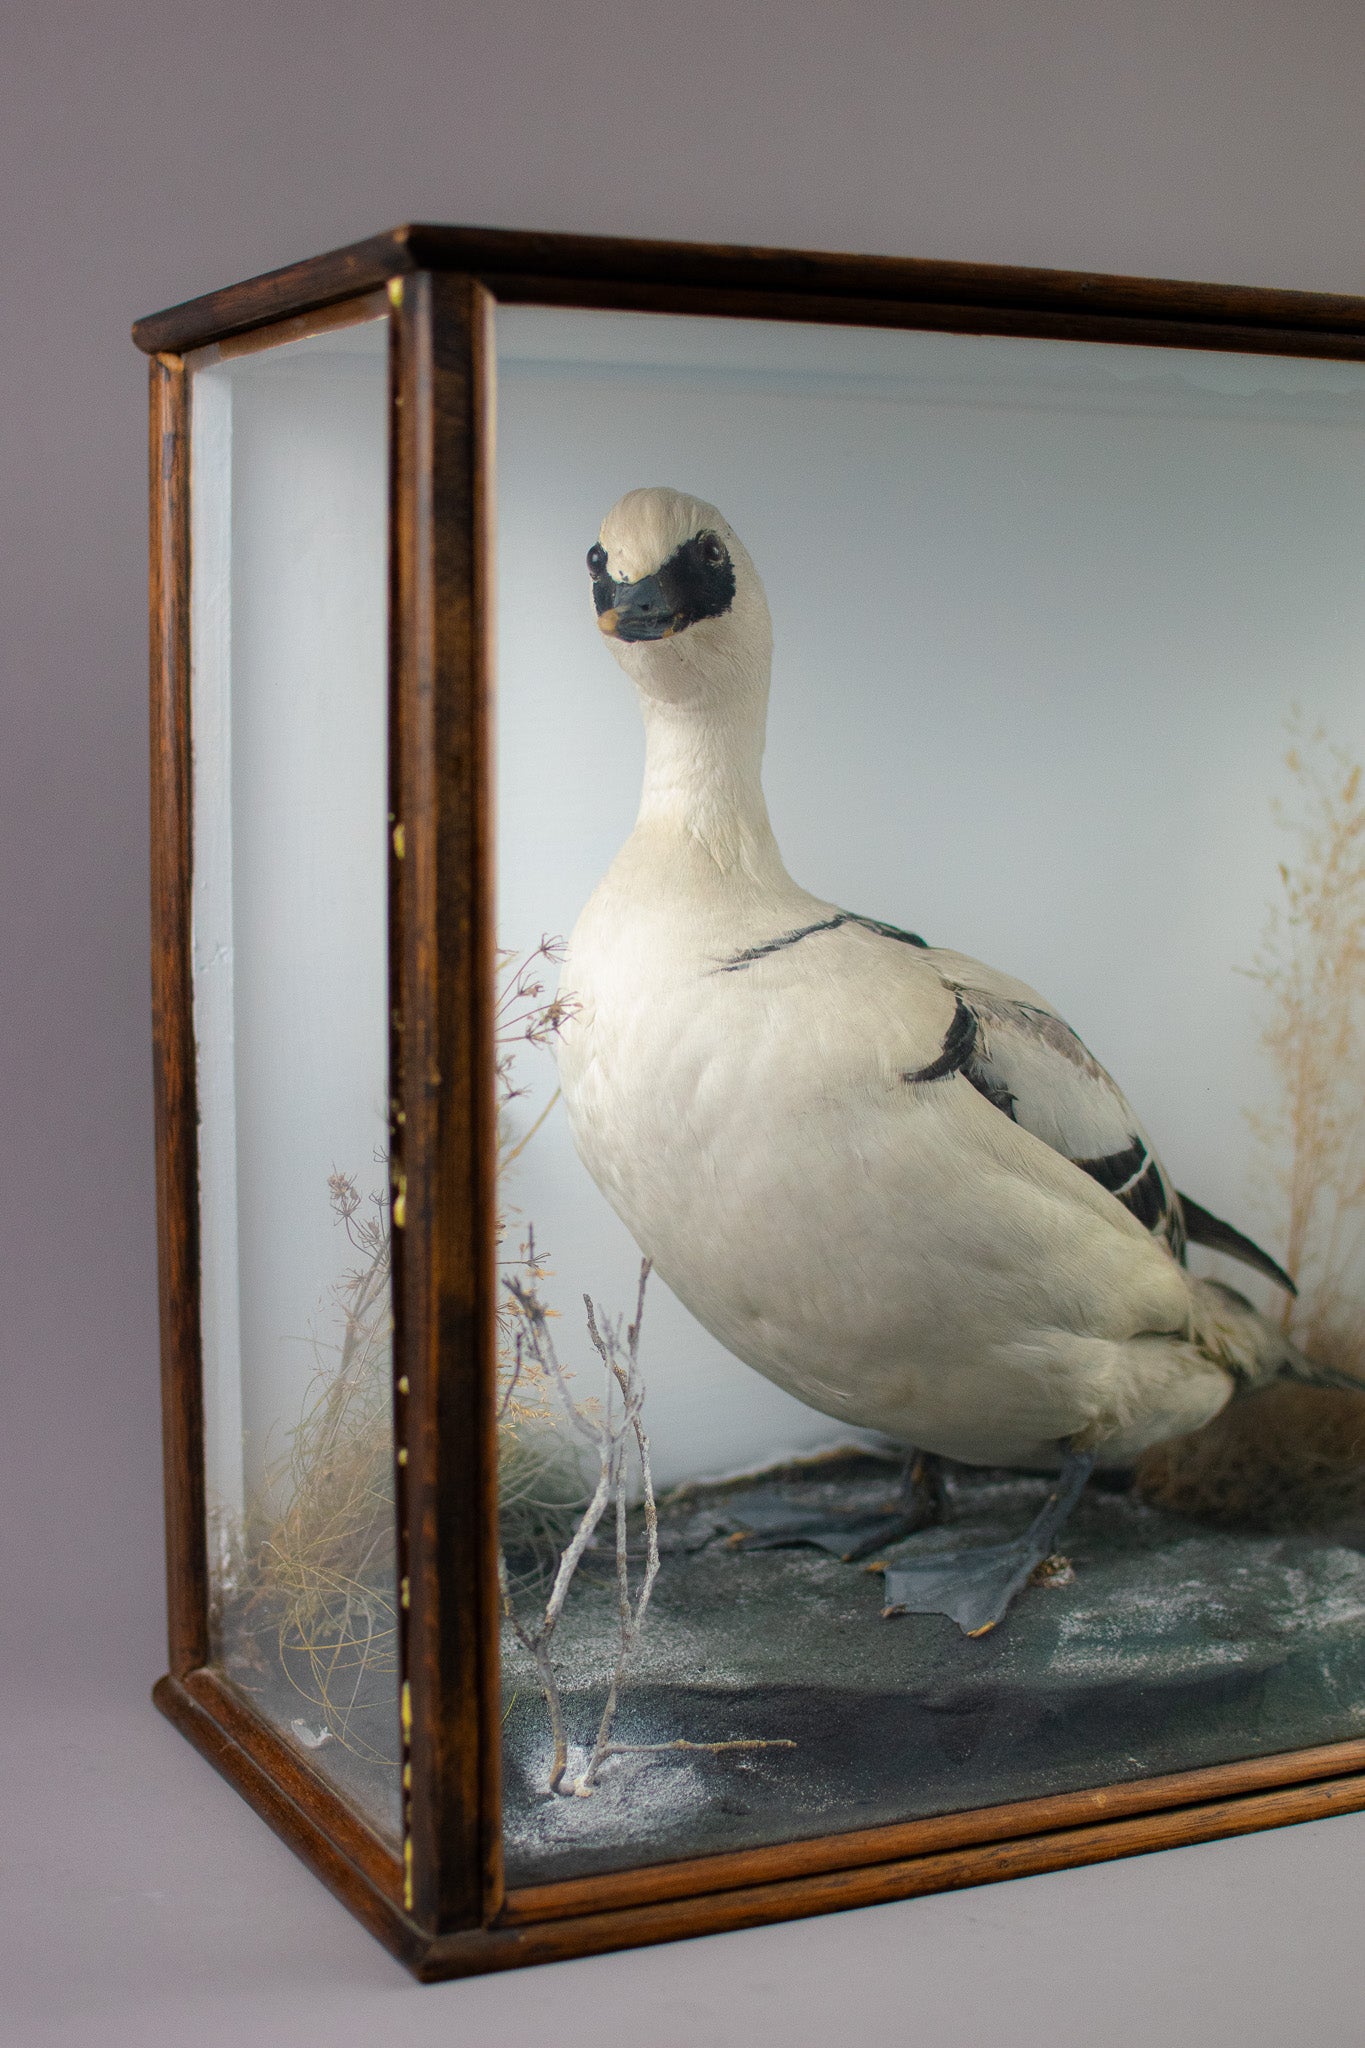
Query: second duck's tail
[[1253, 1349]]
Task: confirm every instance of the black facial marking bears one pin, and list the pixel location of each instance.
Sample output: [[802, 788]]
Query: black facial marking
[[603, 589], [696, 582], [698, 579]]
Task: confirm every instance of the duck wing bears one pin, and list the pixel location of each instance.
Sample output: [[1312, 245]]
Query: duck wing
[[1027, 1061], [1030, 1064], [1024, 1058]]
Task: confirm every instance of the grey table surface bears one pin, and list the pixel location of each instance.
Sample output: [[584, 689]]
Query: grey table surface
[[142, 1902]]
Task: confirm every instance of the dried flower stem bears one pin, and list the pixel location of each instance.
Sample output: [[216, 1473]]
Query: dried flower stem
[[1311, 963]]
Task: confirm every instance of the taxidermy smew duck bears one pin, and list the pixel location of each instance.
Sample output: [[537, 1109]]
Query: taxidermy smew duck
[[885, 1176]]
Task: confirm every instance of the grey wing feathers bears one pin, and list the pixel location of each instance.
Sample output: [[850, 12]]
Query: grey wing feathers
[[1034, 1068], [1031, 1065]]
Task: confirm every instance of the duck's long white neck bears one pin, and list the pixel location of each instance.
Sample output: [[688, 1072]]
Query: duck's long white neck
[[703, 791]]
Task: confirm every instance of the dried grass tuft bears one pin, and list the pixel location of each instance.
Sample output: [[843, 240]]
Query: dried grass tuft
[[1285, 1458], [309, 1584], [320, 1579], [1312, 966], [1295, 1456]]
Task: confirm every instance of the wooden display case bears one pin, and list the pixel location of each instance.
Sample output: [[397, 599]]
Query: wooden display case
[[414, 1845]]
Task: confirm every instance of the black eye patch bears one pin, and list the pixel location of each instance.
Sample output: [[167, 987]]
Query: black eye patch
[[698, 580]]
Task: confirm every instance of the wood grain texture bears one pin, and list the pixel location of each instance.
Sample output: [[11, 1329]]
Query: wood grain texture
[[277, 295], [497, 253], [299, 1811], [328, 319], [444, 1141], [176, 1111], [947, 316], [787, 284], [455, 1920], [298, 1780], [506, 1946], [824, 1854], [839, 1891]]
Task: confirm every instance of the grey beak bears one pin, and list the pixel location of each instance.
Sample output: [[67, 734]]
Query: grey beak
[[639, 611]]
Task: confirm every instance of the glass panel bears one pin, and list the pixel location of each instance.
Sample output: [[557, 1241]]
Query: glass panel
[[289, 611], [1067, 677]]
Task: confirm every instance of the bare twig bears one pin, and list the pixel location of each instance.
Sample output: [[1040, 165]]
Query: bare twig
[[709, 1748], [630, 1617], [610, 1431]]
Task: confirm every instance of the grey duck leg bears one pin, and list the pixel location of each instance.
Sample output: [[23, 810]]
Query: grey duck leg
[[772, 1521], [974, 1587]]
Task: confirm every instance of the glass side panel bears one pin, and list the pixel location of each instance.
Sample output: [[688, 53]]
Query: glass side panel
[[1069, 643], [289, 610]]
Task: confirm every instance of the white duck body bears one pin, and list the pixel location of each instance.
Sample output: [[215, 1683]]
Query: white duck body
[[762, 1086]]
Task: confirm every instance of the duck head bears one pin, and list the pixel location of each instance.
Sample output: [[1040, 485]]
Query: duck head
[[682, 608], [679, 600]]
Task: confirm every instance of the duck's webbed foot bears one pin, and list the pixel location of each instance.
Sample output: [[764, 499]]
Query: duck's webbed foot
[[774, 1521], [975, 1587]]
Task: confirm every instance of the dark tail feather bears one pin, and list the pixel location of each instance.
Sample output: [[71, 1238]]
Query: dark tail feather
[[1217, 1236]]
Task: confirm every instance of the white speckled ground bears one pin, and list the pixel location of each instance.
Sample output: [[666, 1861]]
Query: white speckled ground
[[1173, 1646]]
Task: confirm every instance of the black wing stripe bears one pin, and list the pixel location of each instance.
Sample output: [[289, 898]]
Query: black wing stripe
[[739, 961], [1174, 1232], [1146, 1197], [1131, 1175], [959, 1042], [1116, 1169], [1135, 1178], [891, 931]]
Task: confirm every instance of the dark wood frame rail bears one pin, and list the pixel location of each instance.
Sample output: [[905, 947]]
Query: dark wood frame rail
[[443, 1907]]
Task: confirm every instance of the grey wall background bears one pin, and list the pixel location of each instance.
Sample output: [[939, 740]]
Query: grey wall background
[[149, 151]]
